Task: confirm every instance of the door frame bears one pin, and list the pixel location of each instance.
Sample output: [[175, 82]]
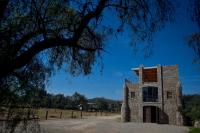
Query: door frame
[[150, 114]]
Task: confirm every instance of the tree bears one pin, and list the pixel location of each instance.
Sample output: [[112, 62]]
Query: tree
[[58, 101], [69, 32], [78, 99], [194, 39], [101, 104], [191, 108], [38, 37]]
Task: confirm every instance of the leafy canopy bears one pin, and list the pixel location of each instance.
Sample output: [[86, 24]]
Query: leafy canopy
[[194, 39], [38, 37]]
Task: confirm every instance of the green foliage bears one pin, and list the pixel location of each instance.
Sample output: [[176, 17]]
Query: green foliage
[[191, 107], [106, 104], [101, 104], [194, 38], [70, 34], [194, 130], [78, 99]]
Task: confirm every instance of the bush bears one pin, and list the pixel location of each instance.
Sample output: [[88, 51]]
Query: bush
[[194, 130], [191, 108]]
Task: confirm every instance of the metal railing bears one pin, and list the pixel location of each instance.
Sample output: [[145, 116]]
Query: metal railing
[[150, 99]]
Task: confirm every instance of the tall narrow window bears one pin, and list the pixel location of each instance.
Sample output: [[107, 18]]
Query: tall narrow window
[[132, 94]]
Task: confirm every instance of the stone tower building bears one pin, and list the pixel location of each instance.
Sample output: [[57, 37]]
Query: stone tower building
[[156, 98]]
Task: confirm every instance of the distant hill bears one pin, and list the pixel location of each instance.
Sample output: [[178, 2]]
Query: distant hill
[[103, 99], [101, 103]]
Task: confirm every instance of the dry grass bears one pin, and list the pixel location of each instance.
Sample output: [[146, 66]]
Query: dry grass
[[66, 114]]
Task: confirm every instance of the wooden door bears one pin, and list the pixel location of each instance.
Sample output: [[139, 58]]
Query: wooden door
[[147, 114]]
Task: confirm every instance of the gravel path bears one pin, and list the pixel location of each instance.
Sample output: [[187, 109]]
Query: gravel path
[[106, 124]]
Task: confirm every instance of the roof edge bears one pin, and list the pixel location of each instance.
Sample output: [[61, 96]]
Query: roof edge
[[134, 69]]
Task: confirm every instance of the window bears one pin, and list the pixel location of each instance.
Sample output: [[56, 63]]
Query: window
[[150, 94], [132, 94], [169, 94]]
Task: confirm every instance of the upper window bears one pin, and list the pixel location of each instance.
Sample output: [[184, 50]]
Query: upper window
[[169, 94], [132, 94], [150, 94], [149, 75]]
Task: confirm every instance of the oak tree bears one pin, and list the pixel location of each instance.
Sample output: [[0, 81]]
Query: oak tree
[[53, 33], [194, 39]]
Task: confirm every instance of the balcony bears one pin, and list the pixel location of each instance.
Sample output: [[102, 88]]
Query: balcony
[[149, 74], [150, 99]]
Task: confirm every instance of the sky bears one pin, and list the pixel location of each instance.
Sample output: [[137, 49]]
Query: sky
[[169, 48]]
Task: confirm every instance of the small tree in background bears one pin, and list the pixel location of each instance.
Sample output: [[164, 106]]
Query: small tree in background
[[101, 104], [78, 99]]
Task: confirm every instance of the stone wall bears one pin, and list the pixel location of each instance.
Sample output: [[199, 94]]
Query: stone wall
[[172, 104], [125, 110], [133, 102]]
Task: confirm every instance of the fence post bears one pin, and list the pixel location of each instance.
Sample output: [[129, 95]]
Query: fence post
[[60, 114], [28, 116], [81, 113], [96, 113], [101, 112], [72, 115], [46, 114]]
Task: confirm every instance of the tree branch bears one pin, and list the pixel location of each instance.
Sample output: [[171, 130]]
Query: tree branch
[[86, 19], [21, 42], [49, 43], [26, 57], [3, 5]]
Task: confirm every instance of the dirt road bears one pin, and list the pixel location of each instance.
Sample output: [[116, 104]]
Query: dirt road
[[106, 124]]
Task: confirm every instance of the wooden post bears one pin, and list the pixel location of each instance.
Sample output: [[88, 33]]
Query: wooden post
[[96, 113], [72, 115], [46, 114], [61, 115], [101, 112], [81, 113], [28, 116]]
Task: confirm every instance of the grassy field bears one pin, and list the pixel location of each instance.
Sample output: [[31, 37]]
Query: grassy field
[[64, 114]]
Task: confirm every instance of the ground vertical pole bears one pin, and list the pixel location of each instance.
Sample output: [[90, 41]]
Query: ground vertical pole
[[61, 115], [81, 114], [46, 114]]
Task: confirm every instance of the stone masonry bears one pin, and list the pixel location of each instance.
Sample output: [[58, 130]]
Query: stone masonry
[[156, 98]]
